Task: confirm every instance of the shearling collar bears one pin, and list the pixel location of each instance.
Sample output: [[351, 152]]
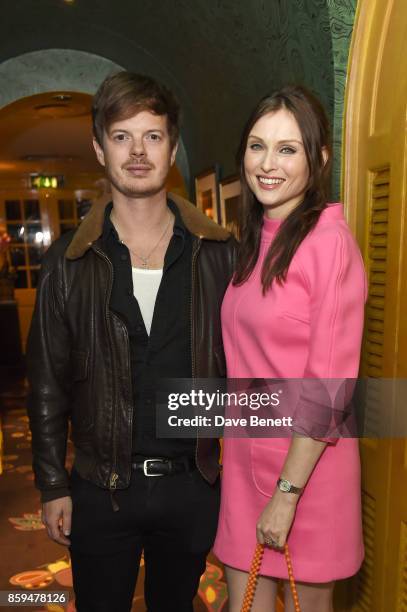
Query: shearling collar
[[92, 226]]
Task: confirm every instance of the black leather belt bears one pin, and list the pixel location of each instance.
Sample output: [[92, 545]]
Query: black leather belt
[[159, 466]]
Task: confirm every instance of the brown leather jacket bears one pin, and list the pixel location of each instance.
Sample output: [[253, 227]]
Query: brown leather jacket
[[78, 353]]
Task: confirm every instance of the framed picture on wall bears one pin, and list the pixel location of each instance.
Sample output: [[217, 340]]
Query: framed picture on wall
[[229, 191], [207, 192]]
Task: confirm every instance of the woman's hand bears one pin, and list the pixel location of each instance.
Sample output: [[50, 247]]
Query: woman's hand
[[276, 519]]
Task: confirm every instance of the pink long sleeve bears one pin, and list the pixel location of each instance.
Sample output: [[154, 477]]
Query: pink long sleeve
[[334, 274]]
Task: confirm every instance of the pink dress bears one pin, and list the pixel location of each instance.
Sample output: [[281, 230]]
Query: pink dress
[[311, 327]]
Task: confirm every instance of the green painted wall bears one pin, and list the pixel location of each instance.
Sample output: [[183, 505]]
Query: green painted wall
[[313, 37], [341, 18], [309, 44]]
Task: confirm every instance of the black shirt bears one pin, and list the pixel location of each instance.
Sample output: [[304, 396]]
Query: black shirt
[[166, 353]]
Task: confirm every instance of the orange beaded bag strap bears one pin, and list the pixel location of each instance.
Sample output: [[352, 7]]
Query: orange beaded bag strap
[[254, 575]]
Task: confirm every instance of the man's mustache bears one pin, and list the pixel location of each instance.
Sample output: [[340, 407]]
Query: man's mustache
[[145, 163]]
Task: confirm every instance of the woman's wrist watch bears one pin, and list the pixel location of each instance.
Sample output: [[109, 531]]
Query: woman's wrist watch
[[287, 487]]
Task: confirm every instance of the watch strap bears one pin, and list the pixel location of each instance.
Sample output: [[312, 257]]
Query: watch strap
[[287, 487]]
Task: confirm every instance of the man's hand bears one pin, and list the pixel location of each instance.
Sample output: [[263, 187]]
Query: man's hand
[[56, 516]]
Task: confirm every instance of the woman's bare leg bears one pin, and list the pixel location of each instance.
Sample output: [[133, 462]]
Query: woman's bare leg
[[266, 591], [313, 597]]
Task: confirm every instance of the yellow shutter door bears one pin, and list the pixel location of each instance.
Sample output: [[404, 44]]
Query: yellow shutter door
[[374, 185]]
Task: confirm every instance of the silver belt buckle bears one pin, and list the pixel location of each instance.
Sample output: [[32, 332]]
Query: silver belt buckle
[[145, 467]]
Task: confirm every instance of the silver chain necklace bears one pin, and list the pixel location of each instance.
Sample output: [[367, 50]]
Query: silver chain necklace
[[144, 260]]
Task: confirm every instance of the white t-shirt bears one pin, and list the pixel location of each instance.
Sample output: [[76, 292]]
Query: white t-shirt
[[145, 289]]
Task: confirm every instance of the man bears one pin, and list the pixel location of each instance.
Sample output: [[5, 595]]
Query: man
[[131, 297]]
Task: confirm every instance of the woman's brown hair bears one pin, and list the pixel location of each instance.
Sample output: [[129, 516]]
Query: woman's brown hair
[[314, 128]]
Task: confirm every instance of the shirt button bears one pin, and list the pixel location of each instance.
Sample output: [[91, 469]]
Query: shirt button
[[123, 257], [139, 328]]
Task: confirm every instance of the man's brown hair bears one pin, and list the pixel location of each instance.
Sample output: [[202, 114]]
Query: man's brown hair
[[125, 94]]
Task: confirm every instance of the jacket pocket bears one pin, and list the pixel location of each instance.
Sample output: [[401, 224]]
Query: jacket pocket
[[220, 360], [81, 415], [80, 361]]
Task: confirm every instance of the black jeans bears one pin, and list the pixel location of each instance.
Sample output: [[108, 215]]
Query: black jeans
[[172, 518]]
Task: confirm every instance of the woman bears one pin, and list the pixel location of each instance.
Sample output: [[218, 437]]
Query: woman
[[293, 310]]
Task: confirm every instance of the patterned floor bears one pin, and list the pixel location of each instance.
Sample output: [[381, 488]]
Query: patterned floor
[[29, 560]]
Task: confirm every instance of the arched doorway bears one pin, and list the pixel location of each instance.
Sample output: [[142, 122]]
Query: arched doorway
[[45, 128], [63, 70]]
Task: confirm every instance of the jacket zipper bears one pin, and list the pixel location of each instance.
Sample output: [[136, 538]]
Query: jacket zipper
[[130, 382], [113, 475], [112, 488], [193, 357]]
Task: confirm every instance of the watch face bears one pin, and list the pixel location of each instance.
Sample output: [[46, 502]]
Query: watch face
[[285, 485]]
